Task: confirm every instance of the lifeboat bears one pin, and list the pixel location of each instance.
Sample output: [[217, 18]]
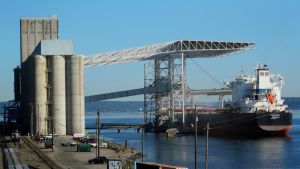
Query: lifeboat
[[271, 98]]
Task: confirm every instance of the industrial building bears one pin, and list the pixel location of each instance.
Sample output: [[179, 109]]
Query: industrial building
[[49, 83]]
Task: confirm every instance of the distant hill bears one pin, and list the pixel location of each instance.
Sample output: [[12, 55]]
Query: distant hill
[[114, 106], [293, 102], [134, 106]]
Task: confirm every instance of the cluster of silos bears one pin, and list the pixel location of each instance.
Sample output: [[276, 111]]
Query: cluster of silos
[[59, 96], [49, 84]]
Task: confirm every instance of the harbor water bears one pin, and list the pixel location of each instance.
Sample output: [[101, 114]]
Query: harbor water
[[233, 153]]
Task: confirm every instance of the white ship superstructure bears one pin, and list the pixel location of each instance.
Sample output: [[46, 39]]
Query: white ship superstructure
[[260, 93]]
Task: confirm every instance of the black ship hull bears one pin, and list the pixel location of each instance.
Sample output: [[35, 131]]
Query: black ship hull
[[233, 124]]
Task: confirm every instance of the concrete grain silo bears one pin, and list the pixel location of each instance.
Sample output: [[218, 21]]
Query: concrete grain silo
[[75, 94], [40, 94], [50, 80], [32, 31], [58, 93]]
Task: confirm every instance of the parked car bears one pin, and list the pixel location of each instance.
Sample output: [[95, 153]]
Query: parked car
[[90, 140], [102, 145], [93, 144], [68, 143], [98, 160], [83, 139], [55, 135], [48, 144], [78, 136], [42, 139], [46, 137]]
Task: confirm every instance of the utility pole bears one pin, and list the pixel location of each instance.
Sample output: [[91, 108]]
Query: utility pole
[[97, 135], [50, 120], [196, 126], [31, 119], [38, 118], [143, 142], [52, 129], [98, 131], [206, 155]]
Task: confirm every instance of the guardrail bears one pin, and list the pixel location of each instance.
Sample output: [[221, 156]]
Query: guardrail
[[116, 125]]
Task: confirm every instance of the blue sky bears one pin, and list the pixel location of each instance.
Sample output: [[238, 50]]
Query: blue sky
[[99, 26]]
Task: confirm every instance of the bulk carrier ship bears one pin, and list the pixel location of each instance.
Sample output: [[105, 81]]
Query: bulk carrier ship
[[256, 109]]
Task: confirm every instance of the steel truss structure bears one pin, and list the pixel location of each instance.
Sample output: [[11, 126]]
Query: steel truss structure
[[167, 66], [159, 72], [191, 49]]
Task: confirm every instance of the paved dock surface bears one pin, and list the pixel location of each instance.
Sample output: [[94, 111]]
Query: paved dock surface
[[68, 157], [36, 155]]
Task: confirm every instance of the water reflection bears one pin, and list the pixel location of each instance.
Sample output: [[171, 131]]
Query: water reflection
[[274, 152]]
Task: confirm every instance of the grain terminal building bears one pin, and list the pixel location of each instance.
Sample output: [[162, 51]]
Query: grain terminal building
[[49, 83]]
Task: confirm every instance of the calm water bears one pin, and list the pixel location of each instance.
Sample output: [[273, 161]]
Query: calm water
[[278, 152]]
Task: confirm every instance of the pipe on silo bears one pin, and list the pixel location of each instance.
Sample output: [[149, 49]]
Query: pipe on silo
[[75, 95], [58, 91], [40, 94]]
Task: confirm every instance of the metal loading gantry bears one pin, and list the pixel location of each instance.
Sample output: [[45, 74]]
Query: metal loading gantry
[[172, 104], [165, 71], [166, 68]]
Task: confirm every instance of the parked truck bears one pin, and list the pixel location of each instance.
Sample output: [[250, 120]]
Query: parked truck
[[15, 136]]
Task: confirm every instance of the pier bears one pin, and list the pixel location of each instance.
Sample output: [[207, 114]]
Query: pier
[[116, 125]]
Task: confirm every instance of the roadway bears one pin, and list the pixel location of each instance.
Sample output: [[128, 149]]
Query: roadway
[[68, 157]]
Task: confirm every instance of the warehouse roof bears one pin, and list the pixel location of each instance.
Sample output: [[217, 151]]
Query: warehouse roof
[[190, 49]]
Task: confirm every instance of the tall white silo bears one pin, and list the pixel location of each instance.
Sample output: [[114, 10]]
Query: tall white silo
[[57, 92], [40, 94], [75, 95]]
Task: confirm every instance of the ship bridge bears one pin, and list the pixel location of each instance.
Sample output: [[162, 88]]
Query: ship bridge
[[165, 86]]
